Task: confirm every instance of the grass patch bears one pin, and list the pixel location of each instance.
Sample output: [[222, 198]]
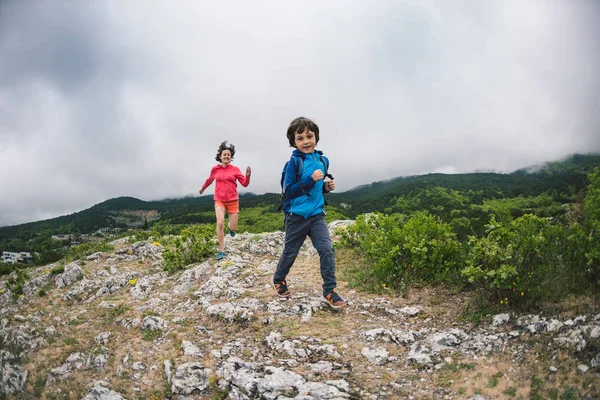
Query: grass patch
[[75, 321], [455, 367], [149, 313], [151, 335], [59, 269], [354, 269], [477, 311], [511, 391], [118, 310], [38, 387], [494, 380], [570, 393]]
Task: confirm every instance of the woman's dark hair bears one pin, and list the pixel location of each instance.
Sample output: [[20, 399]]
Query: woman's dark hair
[[299, 125], [223, 146]]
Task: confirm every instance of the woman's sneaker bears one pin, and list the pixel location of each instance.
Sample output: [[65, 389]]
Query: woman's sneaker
[[282, 289], [334, 299], [221, 255], [232, 233]]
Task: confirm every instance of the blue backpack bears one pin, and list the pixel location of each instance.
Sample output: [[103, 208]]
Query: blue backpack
[[299, 163]]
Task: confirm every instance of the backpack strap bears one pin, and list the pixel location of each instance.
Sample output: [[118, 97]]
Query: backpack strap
[[298, 164], [325, 162]]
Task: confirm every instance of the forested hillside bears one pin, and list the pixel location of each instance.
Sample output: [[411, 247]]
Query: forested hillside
[[465, 201]]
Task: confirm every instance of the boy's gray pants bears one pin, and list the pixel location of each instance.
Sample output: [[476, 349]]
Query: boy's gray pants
[[296, 230]]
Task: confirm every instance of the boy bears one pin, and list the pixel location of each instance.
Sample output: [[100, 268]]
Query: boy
[[303, 209]]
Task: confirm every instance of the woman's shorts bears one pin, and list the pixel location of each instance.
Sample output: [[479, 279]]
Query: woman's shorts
[[232, 207]]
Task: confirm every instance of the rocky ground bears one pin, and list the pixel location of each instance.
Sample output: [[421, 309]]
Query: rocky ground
[[116, 326]]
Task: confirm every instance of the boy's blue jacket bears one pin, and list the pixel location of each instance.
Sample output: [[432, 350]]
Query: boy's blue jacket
[[296, 199]]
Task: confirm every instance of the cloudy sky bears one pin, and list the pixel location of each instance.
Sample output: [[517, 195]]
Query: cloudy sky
[[100, 99]]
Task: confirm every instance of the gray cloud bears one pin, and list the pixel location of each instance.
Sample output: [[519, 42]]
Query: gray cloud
[[107, 99]]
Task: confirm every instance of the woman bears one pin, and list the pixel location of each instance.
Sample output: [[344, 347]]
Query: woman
[[226, 195]]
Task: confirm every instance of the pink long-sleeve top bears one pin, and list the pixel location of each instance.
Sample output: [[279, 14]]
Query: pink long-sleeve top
[[226, 185]]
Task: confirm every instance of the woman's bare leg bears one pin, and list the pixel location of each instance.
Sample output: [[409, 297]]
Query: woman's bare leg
[[233, 221], [220, 213]]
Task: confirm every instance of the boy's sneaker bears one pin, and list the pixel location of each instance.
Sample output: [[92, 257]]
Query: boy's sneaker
[[221, 255], [334, 299], [282, 289]]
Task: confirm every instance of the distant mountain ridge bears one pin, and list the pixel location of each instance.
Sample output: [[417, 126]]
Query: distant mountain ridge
[[132, 212]]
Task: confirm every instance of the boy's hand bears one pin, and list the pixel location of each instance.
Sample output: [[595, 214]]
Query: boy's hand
[[317, 175], [330, 185]]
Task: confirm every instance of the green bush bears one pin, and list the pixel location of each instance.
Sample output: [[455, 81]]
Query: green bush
[[423, 249], [579, 251], [59, 269], [81, 251], [195, 244], [592, 198], [5, 268], [430, 249], [512, 262], [16, 281], [139, 235], [592, 227]]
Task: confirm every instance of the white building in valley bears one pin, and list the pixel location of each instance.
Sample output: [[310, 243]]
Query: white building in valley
[[11, 257]]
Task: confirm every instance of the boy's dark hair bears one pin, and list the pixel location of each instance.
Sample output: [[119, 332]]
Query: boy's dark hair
[[223, 146], [299, 125]]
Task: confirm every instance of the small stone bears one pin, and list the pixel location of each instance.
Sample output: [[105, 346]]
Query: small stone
[[553, 369], [500, 319]]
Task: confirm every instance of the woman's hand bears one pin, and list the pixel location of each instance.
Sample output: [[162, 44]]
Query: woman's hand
[[248, 171], [201, 191]]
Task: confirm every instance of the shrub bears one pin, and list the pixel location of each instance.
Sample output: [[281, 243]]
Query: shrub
[[5, 268], [15, 282], [512, 262], [423, 249], [81, 251], [59, 269], [195, 244], [592, 226], [592, 198]]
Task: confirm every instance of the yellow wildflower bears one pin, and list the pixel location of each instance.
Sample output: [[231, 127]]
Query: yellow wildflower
[[132, 282], [156, 243], [522, 293]]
